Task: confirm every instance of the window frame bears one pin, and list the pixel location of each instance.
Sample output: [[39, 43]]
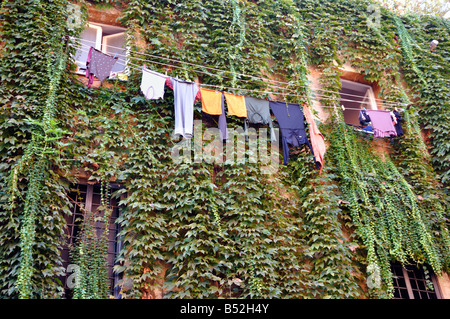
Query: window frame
[[370, 92], [100, 44], [407, 280], [87, 205], [104, 46], [368, 100]]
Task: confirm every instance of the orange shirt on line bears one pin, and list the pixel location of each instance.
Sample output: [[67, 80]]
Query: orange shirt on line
[[236, 105], [211, 101]]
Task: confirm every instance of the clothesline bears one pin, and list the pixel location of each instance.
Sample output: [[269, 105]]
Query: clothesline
[[188, 63], [258, 91], [197, 71], [283, 88], [290, 116], [387, 102], [139, 69]]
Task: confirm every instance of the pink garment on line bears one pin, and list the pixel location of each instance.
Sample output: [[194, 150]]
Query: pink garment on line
[[317, 139], [381, 123], [88, 74]]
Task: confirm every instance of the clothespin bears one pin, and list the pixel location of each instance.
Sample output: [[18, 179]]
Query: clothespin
[[115, 55], [342, 107]]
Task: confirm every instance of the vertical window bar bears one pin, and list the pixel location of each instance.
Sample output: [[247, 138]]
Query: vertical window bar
[[86, 196], [408, 284]]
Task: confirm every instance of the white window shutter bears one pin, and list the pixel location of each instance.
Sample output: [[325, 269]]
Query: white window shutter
[[115, 44], [370, 96], [91, 36]]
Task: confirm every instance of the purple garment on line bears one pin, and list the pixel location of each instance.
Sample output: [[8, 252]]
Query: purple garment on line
[[382, 123], [223, 122], [98, 64]]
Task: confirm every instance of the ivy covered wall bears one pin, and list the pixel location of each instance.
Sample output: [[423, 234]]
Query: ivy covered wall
[[224, 230]]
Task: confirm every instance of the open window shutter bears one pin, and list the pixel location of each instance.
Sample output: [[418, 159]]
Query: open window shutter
[[91, 36], [369, 101], [115, 43]]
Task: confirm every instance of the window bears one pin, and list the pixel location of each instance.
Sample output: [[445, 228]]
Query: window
[[106, 38], [410, 283], [88, 197], [356, 95]]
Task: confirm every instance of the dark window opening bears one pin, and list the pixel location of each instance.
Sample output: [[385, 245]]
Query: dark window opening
[[411, 282], [88, 198]]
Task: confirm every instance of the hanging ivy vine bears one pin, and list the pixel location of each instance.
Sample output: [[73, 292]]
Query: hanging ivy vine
[[388, 217], [29, 209]]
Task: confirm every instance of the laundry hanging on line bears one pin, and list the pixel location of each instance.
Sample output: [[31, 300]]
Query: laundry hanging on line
[[211, 101], [292, 127], [364, 118], [213, 104], [98, 64], [152, 84], [184, 94], [317, 139], [236, 105], [256, 111], [382, 123], [398, 125]]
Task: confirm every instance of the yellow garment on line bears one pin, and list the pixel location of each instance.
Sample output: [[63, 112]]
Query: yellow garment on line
[[211, 101], [236, 105]]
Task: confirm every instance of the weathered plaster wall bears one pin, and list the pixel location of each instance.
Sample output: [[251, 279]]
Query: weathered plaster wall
[[104, 15], [444, 285]]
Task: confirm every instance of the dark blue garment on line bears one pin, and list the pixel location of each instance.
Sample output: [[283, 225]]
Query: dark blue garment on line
[[292, 126], [398, 126], [364, 118]]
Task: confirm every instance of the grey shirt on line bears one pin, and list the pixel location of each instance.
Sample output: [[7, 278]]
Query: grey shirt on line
[[184, 95], [258, 112]]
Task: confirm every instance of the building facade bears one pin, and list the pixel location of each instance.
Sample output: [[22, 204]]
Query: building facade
[[128, 222]]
